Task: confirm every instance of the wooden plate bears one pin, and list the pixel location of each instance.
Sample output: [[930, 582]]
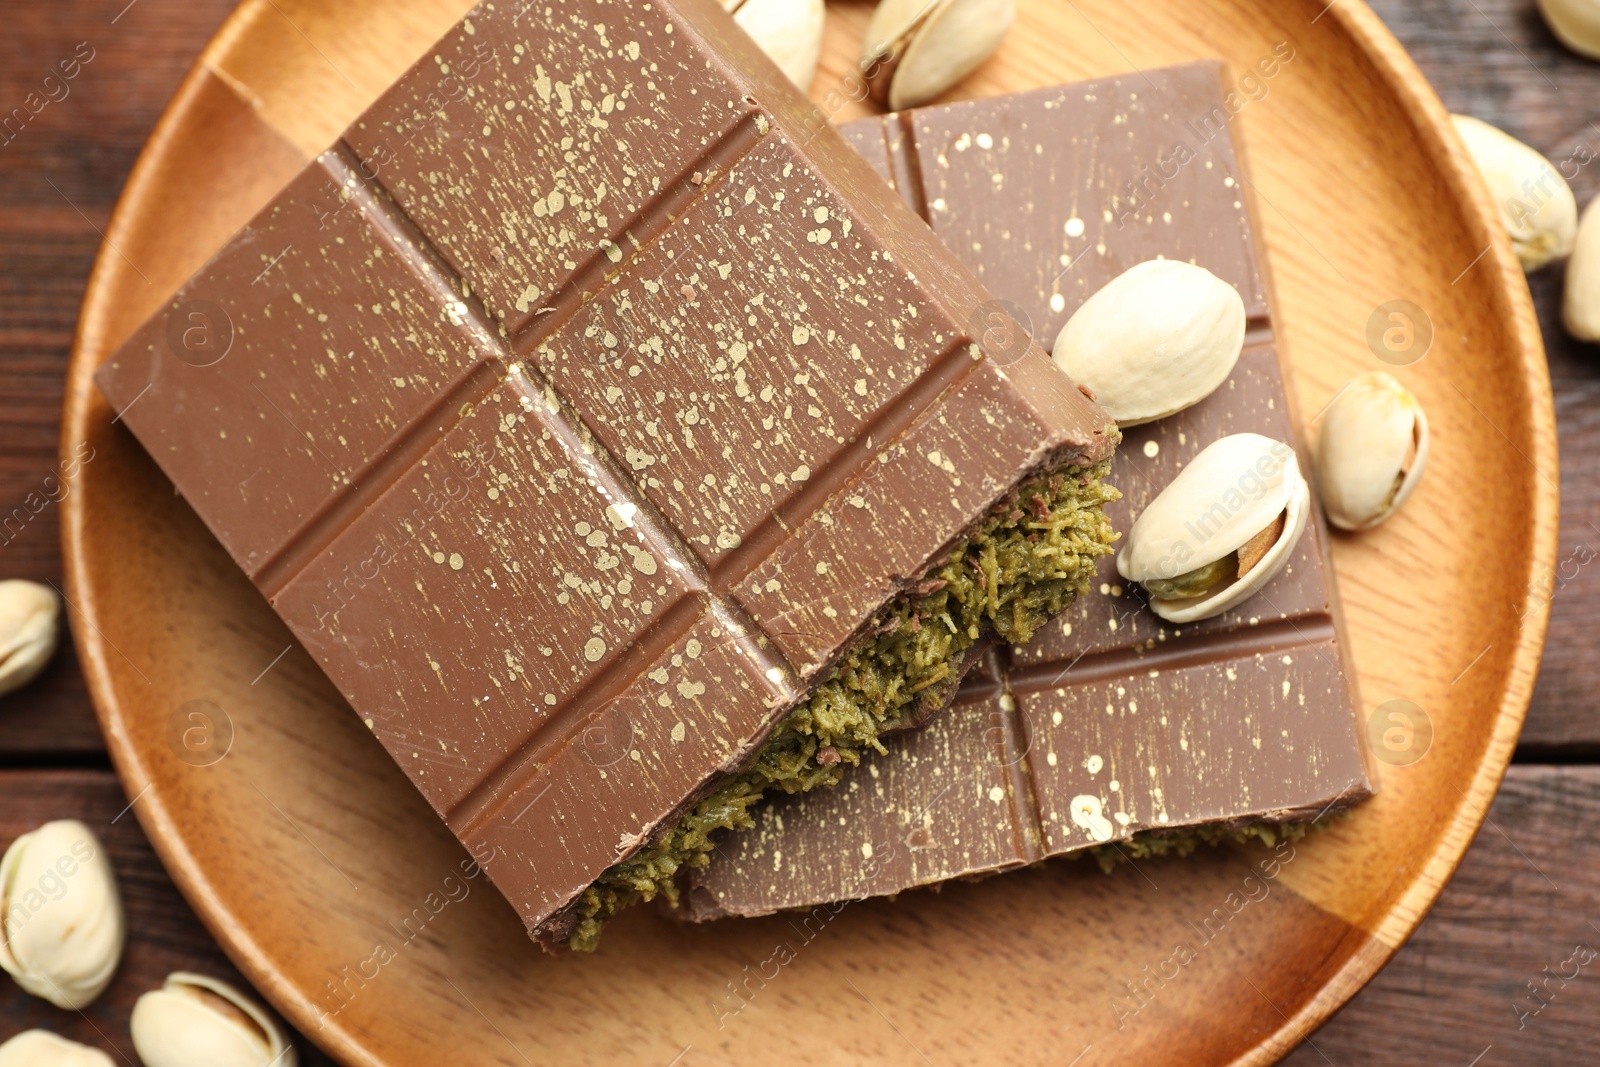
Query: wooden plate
[[339, 893]]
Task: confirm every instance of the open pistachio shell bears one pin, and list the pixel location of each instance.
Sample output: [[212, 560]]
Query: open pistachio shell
[[1535, 202], [788, 31], [61, 926], [916, 49], [1157, 338], [195, 1021], [1372, 447], [1221, 503], [41, 1048]]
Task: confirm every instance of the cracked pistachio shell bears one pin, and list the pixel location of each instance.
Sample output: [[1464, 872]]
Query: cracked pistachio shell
[[30, 619], [916, 49], [60, 914], [1157, 338], [1580, 302], [195, 1021], [41, 1048], [1536, 204], [788, 31], [1372, 447], [1233, 490], [1576, 23]]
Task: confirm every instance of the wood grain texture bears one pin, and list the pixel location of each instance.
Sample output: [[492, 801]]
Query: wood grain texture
[[1497, 60], [1524, 907], [318, 797], [60, 171], [164, 936]]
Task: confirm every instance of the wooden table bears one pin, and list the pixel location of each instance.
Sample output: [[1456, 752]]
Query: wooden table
[[1493, 976]]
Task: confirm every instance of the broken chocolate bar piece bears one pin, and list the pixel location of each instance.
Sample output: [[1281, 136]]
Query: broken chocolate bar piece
[[1113, 729], [582, 410]]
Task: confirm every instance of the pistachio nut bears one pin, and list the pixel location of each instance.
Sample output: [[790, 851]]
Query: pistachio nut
[[916, 49], [1371, 449], [788, 31], [1580, 302], [1535, 202], [1576, 23], [30, 619], [1157, 338], [61, 927], [41, 1048], [1220, 530], [195, 1021]]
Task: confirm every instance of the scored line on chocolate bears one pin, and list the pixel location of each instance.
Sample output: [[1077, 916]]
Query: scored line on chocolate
[[412, 440], [1027, 814], [397, 457], [429, 265], [907, 167], [1258, 331], [1277, 635], [919, 401], [509, 778], [584, 284], [389, 219]]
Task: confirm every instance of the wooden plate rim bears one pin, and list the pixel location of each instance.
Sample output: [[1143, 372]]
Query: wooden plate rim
[[1513, 304]]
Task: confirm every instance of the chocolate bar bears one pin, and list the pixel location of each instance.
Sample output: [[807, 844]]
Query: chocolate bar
[[582, 410], [1114, 730]]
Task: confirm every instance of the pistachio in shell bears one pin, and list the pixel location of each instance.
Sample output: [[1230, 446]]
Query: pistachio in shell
[[61, 924], [1220, 530], [788, 31], [196, 1021], [41, 1048], [1576, 23], [30, 624], [1372, 446], [1158, 338], [1580, 300], [1535, 203], [914, 50]]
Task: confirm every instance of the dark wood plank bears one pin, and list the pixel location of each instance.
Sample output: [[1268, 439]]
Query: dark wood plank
[[1497, 60], [60, 173], [1508, 958], [163, 934]]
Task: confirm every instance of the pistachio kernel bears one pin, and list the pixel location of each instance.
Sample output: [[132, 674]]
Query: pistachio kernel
[[1197, 582]]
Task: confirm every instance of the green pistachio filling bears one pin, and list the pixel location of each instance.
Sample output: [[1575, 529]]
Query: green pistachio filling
[[1022, 566], [1182, 842], [1197, 582]]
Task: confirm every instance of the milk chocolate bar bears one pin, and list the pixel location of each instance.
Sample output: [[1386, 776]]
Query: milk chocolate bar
[[600, 422], [1114, 730]]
